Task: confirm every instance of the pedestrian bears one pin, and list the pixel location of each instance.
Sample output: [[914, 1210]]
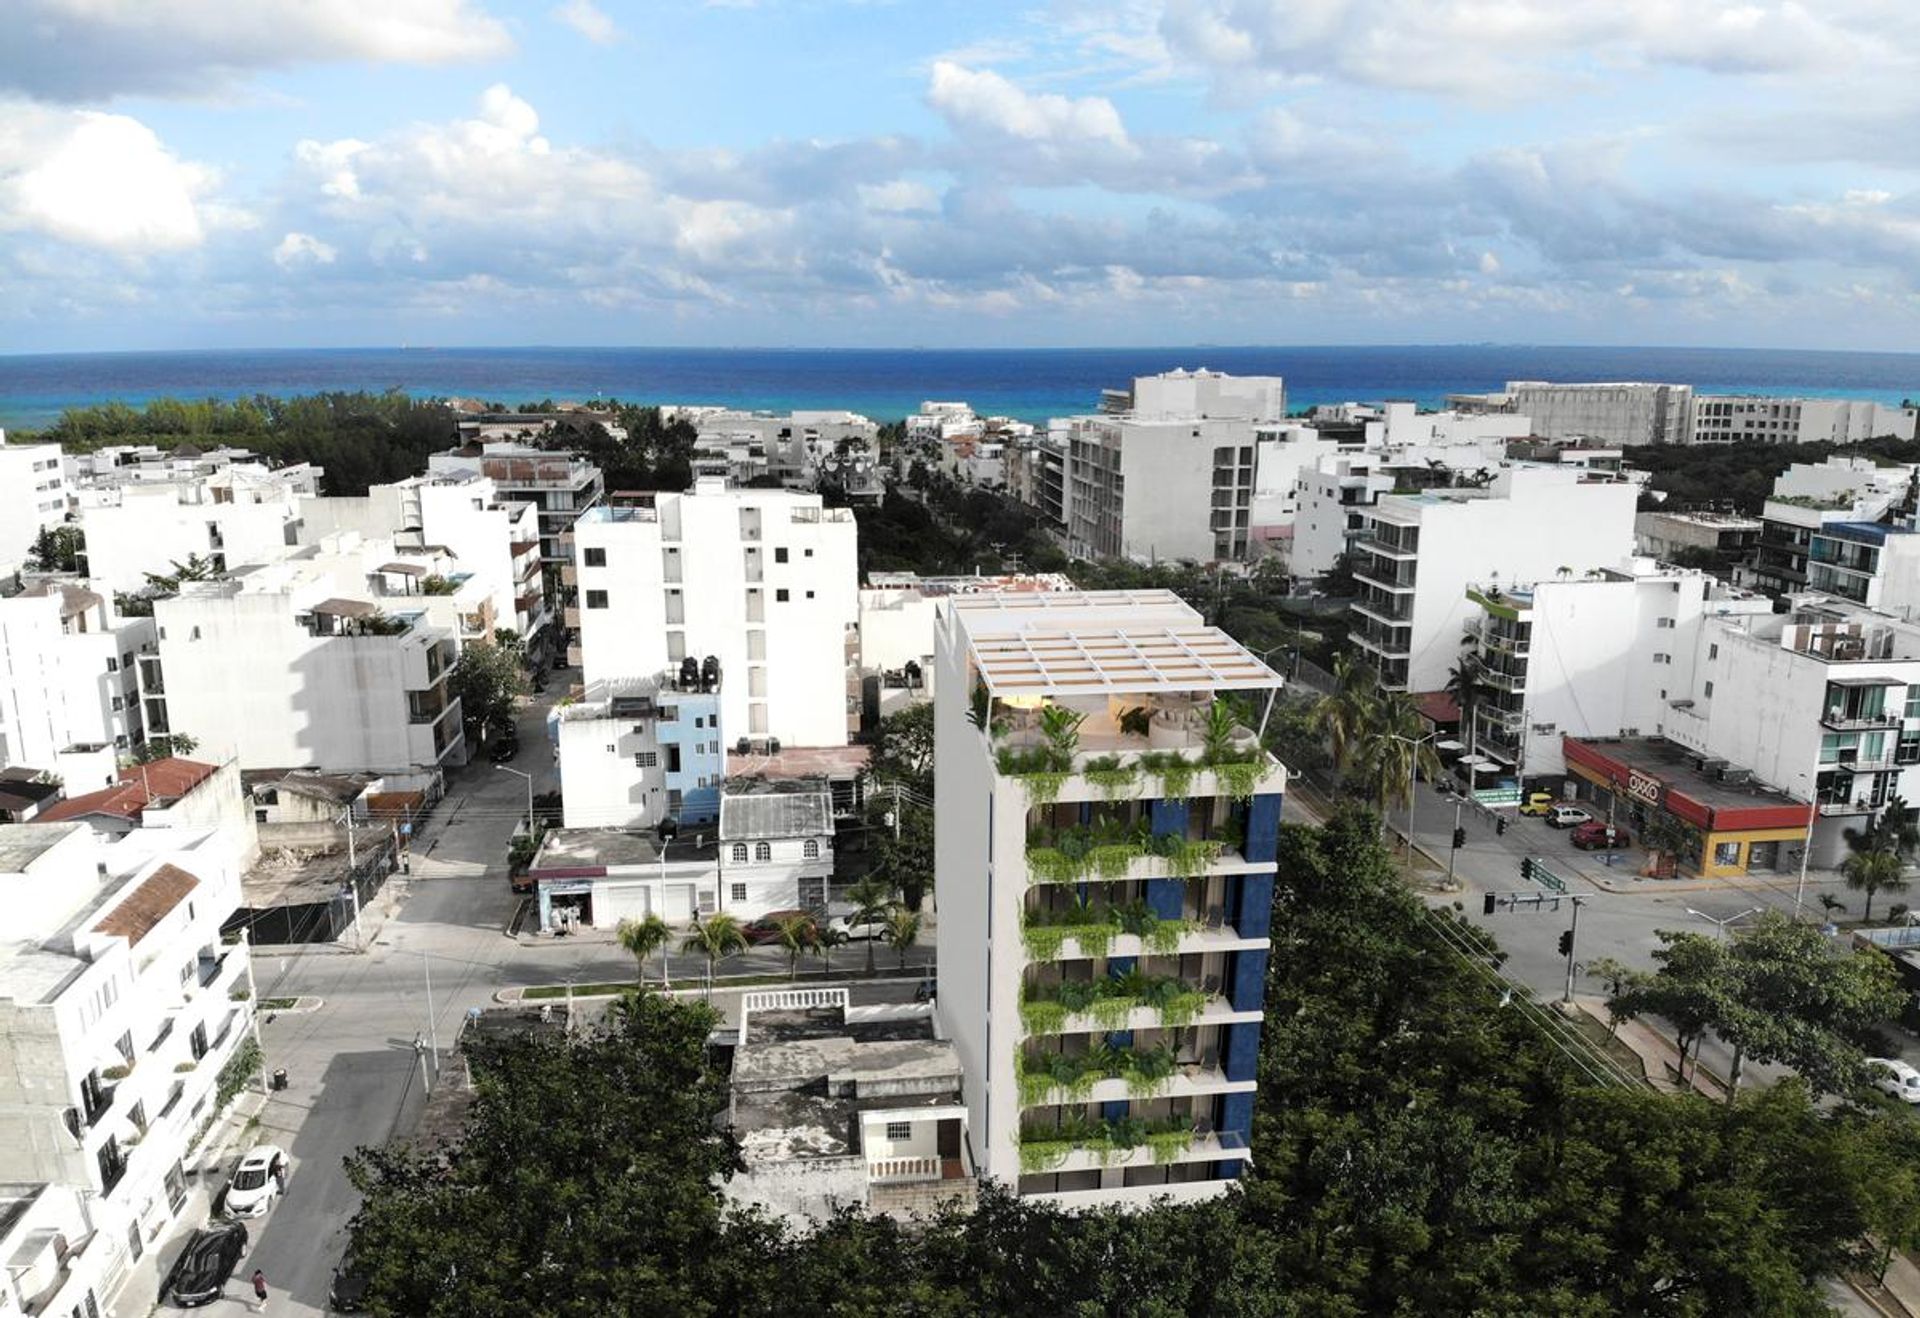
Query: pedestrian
[[260, 1287], [280, 1175]]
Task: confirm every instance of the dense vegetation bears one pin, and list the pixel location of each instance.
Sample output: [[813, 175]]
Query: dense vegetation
[[1738, 477], [1421, 1149]]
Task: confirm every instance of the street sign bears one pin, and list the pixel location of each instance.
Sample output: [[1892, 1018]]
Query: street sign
[[1495, 797], [1545, 877]]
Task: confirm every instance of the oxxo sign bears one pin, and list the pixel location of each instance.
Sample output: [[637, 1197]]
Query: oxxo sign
[[1642, 787]]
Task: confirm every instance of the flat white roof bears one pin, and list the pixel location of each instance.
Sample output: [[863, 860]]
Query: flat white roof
[[1087, 642]]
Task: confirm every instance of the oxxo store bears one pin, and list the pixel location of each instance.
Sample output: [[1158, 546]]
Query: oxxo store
[[1740, 828]]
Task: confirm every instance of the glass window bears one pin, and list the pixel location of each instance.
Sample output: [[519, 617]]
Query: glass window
[[810, 849], [596, 599], [739, 852], [737, 892], [762, 851], [596, 557], [779, 553], [899, 1130], [1726, 853]]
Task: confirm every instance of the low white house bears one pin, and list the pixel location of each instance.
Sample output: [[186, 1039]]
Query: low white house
[[776, 846], [119, 1007]]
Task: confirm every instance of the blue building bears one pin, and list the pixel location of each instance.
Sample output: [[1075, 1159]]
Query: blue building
[[635, 752]]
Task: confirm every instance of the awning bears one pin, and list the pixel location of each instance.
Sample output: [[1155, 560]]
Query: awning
[[1865, 681], [340, 608], [1473, 760], [1449, 746], [406, 569]]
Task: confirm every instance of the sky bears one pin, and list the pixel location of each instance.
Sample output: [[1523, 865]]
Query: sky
[[314, 173]]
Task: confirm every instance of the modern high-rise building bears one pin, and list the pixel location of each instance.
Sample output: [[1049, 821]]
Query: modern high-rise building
[[1105, 843], [33, 495]]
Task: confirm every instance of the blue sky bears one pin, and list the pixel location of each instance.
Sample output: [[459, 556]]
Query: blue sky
[[202, 173]]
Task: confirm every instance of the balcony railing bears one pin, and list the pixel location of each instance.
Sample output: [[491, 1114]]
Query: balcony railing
[[1841, 721], [206, 971], [899, 1171]]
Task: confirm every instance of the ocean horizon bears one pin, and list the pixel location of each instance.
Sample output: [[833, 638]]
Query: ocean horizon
[[1031, 384]]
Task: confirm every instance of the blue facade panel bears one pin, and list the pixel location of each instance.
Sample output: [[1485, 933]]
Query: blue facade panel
[[1253, 905], [1165, 897], [1120, 965], [1243, 1051], [1263, 828], [1236, 1120], [1167, 816], [1247, 982], [689, 725]]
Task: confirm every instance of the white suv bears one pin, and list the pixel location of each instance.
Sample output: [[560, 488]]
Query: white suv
[[1567, 816], [1895, 1078]]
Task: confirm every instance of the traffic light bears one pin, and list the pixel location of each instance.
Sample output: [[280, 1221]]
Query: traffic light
[[1526, 868], [1500, 826], [1459, 838], [1487, 906], [1566, 942]]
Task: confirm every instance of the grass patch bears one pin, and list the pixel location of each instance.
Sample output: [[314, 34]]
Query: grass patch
[[278, 1004], [1596, 1034], [578, 990]]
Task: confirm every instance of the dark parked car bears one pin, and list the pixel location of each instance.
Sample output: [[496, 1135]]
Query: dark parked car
[[504, 750], [767, 927], [200, 1274], [348, 1294], [1595, 834]]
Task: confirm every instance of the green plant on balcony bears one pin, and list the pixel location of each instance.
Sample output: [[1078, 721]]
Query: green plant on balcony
[[1136, 721], [1156, 933], [184, 1067], [1180, 1010], [117, 1072], [1044, 1147], [1239, 778], [1172, 770], [1167, 1145], [1043, 1015], [1149, 1070], [980, 705], [1113, 778], [1060, 727], [1040, 770], [239, 993], [1110, 1000], [1184, 856], [1070, 1077]]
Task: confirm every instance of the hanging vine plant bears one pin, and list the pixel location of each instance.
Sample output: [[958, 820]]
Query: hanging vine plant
[[1110, 776], [1239, 778]]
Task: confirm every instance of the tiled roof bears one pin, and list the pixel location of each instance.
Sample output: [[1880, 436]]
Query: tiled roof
[[140, 786], [148, 904]]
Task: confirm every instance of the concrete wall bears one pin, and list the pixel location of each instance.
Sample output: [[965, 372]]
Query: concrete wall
[[33, 494]]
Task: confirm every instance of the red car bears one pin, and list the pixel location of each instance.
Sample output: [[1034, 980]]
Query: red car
[[1596, 834], [767, 927]]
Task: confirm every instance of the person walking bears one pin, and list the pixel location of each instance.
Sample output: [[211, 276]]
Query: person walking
[[260, 1289]]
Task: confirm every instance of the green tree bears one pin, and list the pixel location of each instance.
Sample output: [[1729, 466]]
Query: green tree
[[488, 681], [716, 938], [58, 549], [1615, 977], [165, 746], [902, 930], [903, 748], [642, 938], [1873, 872], [903, 846], [1467, 684], [1878, 853], [1348, 713], [797, 935], [871, 898], [1392, 750]]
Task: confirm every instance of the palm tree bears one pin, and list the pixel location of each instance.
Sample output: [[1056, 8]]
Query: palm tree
[[643, 938], [1393, 750], [871, 897], [1467, 684], [1345, 713], [902, 930], [716, 938], [825, 940], [1873, 871], [796, 934]]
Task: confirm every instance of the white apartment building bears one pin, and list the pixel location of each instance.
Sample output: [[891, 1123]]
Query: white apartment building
[[1600, 654], [132, 464], [56, 1257], [560, 486], [636, 751], [33, 495], [1331, 500], [788, 445], [119, 1005], [776, 846], [1421, 551], [1808, 499], [463, 516], [1749, 419], [1180, 394], [1822, 703], [763, 581], [1663, 535], [1192, 905], [68, 681], [1609, 413], [279, 667], [240, 515]]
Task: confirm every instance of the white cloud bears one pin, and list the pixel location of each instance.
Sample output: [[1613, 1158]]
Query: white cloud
[[99, 180], [899, 196], [298, 249], [982, 99], [589, 20], [95, 49]]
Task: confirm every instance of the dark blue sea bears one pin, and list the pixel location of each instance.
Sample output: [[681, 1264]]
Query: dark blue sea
[[1029, 383]]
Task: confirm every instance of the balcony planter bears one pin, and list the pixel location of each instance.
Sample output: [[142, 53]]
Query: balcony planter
[[240, 994], [183, 1067], [1109, 1142], [1072, 1076], [117, 1072]]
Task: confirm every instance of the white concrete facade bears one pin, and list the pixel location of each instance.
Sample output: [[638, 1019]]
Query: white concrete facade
[[1607, 413], [238, 516], [68, 677], [1421, 551], [119, 1005], [1753, 419], [278, 668], [33, 495], [776, 847], [765, 581]]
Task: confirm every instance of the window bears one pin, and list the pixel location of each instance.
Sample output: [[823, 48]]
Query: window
[[1726, 853], [113, 665], [810, 849], [779, 553], [119, 703], [596, 599], [899, 1130], [1707, 691], [739, 852], [699, 720], [259, 816], [780, 595], [737, 892], [762, 851], [646, 759], [1663, 622], [806, 553], [595, 557], [1663, 658], [1713, 652], [1913, 701], [809, 594]]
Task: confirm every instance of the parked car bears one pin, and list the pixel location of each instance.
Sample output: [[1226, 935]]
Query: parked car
[[504, 749], [1594, 835], [1567, 816], [348, 1293], [1539, 803], [199, 1275], [1894, 1077], [874, 927], [767, 927], [256, 1181]]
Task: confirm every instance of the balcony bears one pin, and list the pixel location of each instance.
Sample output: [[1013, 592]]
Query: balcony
[[1395, 611], [1390, 546], [1394, 649], [206, 970]]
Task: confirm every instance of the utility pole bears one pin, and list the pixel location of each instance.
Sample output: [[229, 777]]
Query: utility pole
[[1454, 851], [432, 1032], [1573, 939], [253, 996], [1806, 850]]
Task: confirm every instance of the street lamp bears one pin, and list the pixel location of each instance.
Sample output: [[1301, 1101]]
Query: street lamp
[[1721, 925], [521, 773], [1413, 765]]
